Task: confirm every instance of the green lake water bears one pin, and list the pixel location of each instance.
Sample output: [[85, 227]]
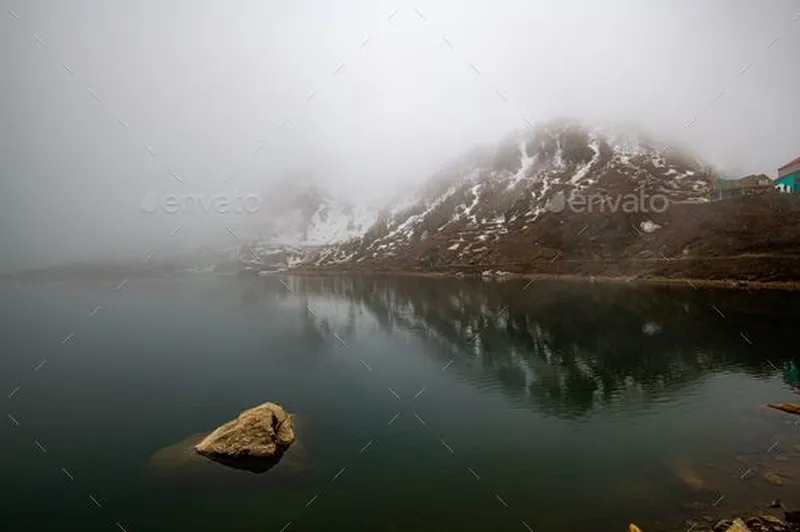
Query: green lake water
[[422, 404]]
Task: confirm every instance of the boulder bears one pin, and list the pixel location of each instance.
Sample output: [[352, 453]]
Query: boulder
[[255, 440], [738, 526], [766, 523]]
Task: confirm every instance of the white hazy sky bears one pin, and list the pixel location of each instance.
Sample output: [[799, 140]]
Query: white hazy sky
[[205, 83]]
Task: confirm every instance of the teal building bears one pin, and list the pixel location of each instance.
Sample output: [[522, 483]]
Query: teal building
[[789, 177]]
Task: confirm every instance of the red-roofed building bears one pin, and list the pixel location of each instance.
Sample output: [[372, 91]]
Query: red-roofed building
[[789, 177]]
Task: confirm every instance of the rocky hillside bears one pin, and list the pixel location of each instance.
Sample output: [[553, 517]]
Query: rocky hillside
[[523, 188], [567, 199]]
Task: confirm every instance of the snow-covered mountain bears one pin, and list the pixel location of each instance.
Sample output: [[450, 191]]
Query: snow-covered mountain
[[489, 195], [299, 217]]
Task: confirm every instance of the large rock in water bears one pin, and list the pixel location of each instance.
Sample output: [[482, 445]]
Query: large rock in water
[[255, 440]]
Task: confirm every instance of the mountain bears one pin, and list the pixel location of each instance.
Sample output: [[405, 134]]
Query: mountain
[[467, 213], [299, 217]]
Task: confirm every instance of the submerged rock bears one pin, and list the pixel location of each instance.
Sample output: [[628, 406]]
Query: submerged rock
[[254, 441], [683, 470], [181, 463], [773, 478], [177, 457], [790, 408]]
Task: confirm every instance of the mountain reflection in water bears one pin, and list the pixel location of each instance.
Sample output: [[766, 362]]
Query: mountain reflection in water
[[566, 349]]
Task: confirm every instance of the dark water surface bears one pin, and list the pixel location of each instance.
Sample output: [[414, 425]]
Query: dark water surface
[[554, 407]]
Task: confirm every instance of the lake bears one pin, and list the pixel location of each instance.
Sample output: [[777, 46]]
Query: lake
[[422, 404]]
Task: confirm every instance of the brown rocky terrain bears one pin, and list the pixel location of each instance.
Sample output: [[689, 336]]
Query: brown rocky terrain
[[564, 199], [747, 239]]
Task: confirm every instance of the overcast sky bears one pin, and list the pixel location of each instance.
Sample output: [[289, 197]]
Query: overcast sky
[[376, 94]]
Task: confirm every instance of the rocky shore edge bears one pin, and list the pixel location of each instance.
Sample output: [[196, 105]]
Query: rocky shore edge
[[751, 523], [501, 275]]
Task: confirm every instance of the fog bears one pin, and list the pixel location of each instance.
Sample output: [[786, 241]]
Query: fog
[[104, 101]]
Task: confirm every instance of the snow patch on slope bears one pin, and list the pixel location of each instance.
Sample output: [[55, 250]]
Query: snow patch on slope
[[527, 162], [583, 171]]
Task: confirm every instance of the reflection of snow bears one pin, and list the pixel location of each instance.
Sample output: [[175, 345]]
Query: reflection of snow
[[651, 328], [197, 269]]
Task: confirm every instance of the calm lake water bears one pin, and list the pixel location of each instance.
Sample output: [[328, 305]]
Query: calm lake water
[[422, 404]]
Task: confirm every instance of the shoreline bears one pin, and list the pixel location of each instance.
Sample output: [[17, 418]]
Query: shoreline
[[688, 282], [487, 274]]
